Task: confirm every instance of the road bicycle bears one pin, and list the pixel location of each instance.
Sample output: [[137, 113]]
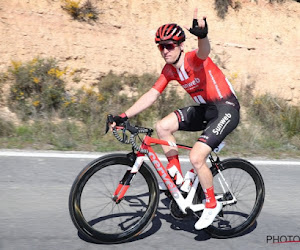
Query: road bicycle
[[115, 197]]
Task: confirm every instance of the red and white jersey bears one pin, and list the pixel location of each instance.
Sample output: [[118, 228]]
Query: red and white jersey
[[202, 79]]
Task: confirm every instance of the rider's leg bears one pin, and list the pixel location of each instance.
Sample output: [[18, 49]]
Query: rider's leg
[[165, 129], [198, 156]]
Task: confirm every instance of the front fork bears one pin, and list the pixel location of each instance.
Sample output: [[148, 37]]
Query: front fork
[[124, 184]]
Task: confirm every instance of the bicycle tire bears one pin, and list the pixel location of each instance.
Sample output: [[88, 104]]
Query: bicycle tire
[[91, 214], [238, 217]]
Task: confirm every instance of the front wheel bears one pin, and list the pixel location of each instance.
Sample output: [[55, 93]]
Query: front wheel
[[244, 182], [95, 212]]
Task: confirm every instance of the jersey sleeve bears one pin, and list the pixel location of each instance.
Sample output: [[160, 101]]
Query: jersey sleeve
[[161, 82], [193, 58]]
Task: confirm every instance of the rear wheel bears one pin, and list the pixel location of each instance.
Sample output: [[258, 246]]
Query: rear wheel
[[95, 212], [247, 186]]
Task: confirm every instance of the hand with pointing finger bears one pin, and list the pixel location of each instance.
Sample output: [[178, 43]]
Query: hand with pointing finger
[[199, 27]]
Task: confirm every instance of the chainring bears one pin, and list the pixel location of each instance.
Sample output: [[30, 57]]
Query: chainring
[[178, 214], [175, 211]]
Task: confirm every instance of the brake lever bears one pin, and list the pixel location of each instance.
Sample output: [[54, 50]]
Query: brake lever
[[109, 120], [125, 137]]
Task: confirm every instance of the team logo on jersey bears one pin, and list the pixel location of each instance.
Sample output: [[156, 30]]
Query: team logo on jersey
[[222, 124], [191, 84]]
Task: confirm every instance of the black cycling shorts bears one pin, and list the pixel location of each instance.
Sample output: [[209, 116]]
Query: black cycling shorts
[[216, 121]]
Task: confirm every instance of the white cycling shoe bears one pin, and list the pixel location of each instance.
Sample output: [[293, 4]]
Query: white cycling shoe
[[208, 216]]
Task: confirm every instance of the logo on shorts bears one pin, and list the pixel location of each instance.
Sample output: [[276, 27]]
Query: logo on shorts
[[204, 137], [222, 124], [230, 103], [202, 140]]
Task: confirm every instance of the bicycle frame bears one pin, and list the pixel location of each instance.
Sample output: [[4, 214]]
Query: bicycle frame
[[183, 203]]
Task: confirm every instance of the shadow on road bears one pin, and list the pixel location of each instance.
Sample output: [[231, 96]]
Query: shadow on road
[[163, 216]]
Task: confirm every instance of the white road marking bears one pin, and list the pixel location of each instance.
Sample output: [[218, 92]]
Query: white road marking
[[94, 155]]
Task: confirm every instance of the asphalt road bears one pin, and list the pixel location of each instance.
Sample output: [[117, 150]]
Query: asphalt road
[[34, 209]]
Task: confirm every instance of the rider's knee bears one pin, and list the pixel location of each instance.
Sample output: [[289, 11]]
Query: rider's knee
[[159, 126], [167, 125], [198, 160], [162, 127], [199, 154]]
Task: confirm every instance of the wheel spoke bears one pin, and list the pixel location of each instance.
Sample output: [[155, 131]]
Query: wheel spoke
[[247, 187], [98, 215]]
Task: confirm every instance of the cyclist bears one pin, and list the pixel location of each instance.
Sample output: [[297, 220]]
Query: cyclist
[[216, 112]]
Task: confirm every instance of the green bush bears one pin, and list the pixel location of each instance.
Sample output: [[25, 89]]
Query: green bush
[[116, 93], [271, 126], [112, 84], [38, 88], [7, 128], [84, 104], [3, 79], [277, 1], [277, 115], [86, 12], [42, 134], [221, 6]]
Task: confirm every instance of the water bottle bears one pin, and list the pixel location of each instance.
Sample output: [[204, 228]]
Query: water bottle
[[175, 174], [188, 180]]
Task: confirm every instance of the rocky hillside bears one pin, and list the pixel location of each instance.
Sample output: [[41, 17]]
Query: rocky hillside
[[258, 44]]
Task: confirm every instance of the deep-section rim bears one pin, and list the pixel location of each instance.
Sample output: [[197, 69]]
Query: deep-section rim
[[78, 185], [260, 195]]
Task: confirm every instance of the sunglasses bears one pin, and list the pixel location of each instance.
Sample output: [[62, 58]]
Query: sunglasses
[[168, 46]]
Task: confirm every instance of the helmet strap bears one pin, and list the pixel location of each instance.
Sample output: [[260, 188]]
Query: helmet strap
[[176, 61]]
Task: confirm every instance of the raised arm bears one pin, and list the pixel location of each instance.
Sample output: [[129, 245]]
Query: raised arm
[[203, 48], [200, 30]]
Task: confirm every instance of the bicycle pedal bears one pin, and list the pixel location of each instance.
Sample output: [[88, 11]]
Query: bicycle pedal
[[221, 214], [189, 211]]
